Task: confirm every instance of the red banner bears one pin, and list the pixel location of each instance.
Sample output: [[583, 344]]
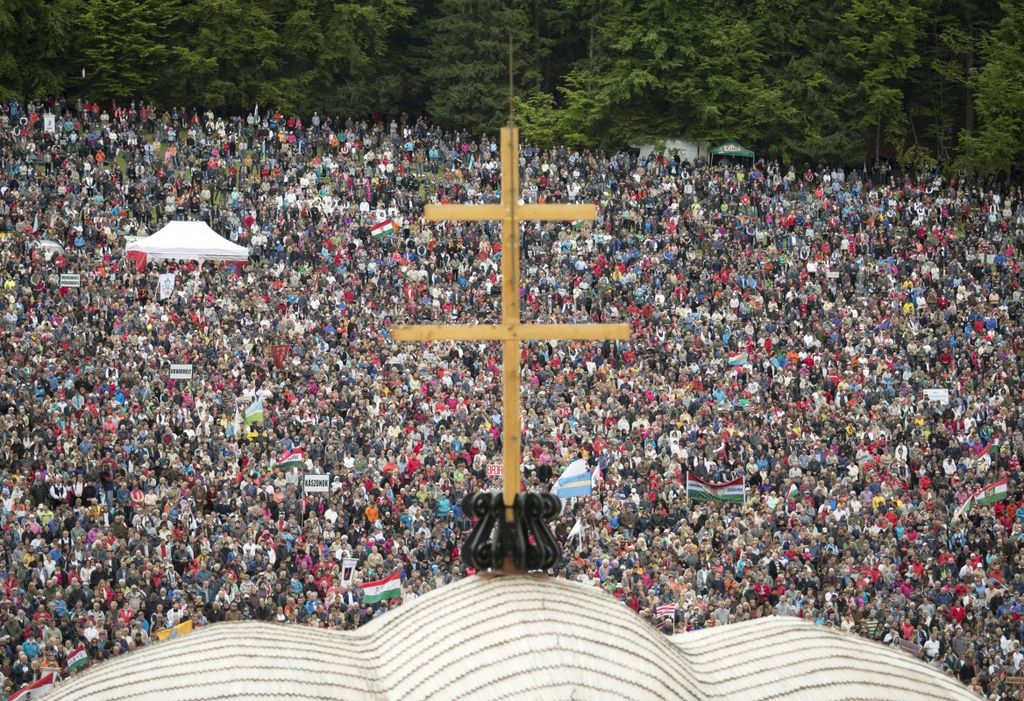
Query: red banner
[[279, 352], [139, 259]]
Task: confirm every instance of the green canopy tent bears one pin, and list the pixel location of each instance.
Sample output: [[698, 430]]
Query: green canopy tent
[[731, 149]]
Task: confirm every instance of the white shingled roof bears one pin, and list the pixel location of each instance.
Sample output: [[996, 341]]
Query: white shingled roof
[[523, 637], [793, 659]]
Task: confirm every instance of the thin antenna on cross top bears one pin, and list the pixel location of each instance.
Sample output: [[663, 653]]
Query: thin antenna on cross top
[[511, 118]]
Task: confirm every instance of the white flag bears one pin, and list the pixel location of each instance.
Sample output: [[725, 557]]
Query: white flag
[[166, 285], [576, 532]]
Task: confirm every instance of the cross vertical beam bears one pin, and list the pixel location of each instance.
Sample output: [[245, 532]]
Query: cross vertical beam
[[511, 386]]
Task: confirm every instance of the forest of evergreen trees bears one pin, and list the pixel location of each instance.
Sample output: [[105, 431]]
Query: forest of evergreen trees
[[925, 82]]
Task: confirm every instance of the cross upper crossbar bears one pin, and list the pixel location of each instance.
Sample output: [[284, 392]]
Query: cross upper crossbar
[[512, 332]]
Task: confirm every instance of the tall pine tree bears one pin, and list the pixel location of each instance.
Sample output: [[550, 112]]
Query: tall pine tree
[[999, 87], [466, 61], [881, 41], [804, 59], [36, 39], [235, 53], [123, 48]]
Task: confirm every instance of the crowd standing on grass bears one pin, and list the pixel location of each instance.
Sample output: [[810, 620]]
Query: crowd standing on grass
[[787, 322]]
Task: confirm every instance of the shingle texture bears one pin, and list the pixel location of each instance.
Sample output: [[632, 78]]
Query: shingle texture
[[513, 638]]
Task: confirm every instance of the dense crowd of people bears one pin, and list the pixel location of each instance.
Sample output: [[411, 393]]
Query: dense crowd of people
[[795, 326]]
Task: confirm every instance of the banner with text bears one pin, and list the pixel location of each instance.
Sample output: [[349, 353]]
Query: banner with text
[[734, 491]]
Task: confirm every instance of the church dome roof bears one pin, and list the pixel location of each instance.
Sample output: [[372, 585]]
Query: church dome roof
[[790, 658], [512, 637]]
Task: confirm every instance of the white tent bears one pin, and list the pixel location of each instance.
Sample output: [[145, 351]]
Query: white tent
[[186, 240]]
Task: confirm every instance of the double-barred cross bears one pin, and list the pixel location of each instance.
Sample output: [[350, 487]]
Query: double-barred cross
[[511, 331]]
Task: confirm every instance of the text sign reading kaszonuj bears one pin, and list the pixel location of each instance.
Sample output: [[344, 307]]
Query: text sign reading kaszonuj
[[314, 484]]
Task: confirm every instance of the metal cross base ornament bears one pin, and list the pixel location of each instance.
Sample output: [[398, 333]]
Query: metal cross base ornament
[[510, 545]]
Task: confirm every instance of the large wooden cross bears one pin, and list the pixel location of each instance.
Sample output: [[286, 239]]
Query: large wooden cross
[[511, 331]]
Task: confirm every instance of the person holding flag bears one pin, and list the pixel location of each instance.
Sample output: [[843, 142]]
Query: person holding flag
[[234, 428], [989, 494], [291, 459], [77, 659], [575, 481], [255, 414], [37, 689]]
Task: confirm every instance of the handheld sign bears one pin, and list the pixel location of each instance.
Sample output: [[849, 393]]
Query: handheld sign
[[70, 280], [348, 570], [937, 395], [181, 372], [316, 484], [494, 469]]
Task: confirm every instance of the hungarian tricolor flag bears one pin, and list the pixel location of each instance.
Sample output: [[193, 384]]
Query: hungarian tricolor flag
[[738, 359], [292, 458], [77, 659], [382, 228], [36, 689], [388, 588], [989, 494], [732, 491]]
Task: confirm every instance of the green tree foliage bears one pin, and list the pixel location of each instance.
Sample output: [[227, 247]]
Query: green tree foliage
[[641, 77], [540, 122], [123, 48], [999, 87], [236, 53], [300, 56], [880, 37], [939, 98], [925, 82], [804, 59], [359, 54], [645, 79], [466, 62], [36, 39]]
